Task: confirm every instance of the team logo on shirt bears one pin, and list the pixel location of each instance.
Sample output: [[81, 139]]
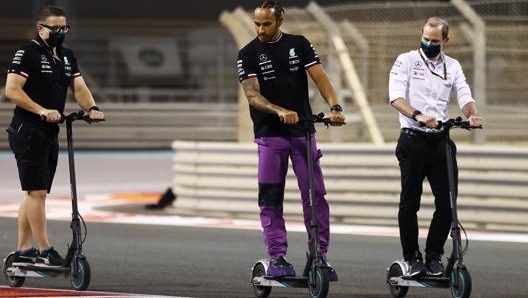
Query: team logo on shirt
[[45, 66], [18, 57], [293, 60], [67, 66], [418, 72], [266, 67], [240, 67]]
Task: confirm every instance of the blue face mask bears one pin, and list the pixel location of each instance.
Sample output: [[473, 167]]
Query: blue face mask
[[430, 50]]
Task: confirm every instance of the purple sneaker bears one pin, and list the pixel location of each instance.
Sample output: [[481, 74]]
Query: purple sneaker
[[280, 267], [332, 274]]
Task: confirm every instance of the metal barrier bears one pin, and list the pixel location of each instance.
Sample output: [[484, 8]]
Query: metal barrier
[[362, 181]]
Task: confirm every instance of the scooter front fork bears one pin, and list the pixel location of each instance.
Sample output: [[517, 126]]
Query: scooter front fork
[[75, 248], [311, 263], [454, 277]]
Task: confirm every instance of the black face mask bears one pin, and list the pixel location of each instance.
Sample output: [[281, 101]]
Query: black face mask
[[55, 38], [430, 50]]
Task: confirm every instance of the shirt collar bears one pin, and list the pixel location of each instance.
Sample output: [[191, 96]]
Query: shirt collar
[[276, 40]]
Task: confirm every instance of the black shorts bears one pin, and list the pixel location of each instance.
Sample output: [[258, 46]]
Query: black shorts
[[36, 151]]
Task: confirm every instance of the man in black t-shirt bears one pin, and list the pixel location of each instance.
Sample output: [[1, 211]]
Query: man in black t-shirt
[[272, 69], [37, 82]]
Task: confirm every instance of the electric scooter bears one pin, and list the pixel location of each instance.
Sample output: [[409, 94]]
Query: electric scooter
[[76, 266], [316, 273], [456, 275]]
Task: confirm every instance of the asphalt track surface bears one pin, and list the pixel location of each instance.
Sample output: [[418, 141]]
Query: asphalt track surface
[[161, 254]]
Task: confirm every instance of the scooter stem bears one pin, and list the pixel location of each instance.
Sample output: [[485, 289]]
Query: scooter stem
[[71, 164], [455, 230], [76, 245], [311, 193]]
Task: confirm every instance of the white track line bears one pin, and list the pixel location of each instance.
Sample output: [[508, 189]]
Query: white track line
[[90, 209]]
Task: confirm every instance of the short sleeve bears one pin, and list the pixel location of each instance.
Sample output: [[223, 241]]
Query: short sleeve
[[71, 67], [398, 78], [246, 66], [310, 54], [21, 63]]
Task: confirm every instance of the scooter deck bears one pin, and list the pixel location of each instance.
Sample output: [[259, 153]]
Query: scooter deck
[[36, 270], [281, 281], [422, 281]]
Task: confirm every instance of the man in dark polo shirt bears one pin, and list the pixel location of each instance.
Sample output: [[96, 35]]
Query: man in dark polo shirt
[[272, 70], [37, 82]]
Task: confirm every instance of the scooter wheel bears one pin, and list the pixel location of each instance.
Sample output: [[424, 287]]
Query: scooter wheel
[[12, 281], [397, 291], [318, 282], [260, 291], [463, 289], [80, 274]]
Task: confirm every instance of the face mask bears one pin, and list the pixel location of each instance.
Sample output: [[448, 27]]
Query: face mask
[[430, 50], [55, 38]]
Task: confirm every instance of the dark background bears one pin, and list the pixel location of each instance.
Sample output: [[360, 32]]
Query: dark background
[[165, 9], [193, 10]]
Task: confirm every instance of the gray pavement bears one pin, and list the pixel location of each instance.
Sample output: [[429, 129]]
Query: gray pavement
[[98, 172], [215, 263]]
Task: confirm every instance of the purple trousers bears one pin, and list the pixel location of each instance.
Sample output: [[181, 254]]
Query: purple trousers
[[273, 155]]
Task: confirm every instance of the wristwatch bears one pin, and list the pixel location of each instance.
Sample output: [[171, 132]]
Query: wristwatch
[[414, 114], [336, 108]]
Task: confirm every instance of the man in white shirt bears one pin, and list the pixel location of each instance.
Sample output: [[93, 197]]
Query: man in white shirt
[[420, 84]]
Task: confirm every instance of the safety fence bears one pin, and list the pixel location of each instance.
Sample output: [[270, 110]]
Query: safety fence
[[145, 125], [362, 182]]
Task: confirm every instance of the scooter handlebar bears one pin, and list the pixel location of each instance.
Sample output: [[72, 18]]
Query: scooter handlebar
[[319, 118], [80, 115], [454, 123], [457, 123]]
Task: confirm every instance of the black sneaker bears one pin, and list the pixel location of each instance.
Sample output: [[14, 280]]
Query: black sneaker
[[435, 267], [50, 257], [26, 256], [416, 265], [280, 267]]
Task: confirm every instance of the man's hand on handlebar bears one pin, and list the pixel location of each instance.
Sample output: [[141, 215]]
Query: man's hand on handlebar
[[288, 117], [51, 116], [475, 121], [337, 118], [95, 115], [427, 121]]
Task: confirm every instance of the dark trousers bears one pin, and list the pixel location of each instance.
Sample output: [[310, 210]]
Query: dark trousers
[[423, 156]]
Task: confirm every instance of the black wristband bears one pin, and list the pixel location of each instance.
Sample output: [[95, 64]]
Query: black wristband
[[336, 108], [414, 114], [94, 108]]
